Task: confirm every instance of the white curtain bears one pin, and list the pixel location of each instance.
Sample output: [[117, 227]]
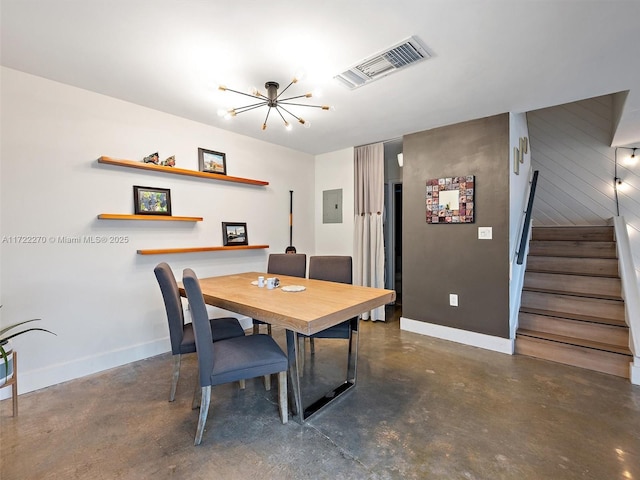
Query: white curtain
[[369, 205]]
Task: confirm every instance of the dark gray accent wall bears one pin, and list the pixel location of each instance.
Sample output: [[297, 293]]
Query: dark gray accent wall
[[443, 259]]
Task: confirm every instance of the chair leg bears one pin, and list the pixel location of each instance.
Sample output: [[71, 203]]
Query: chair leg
[[313, 346], [282, 396], [267, 382], [174, 377], [243, 384], [269, 329], [204, 410]]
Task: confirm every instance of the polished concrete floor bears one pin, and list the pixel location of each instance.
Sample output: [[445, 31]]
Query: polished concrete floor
[[423, 409]]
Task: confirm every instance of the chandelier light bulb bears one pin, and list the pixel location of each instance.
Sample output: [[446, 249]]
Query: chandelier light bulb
[[633, 158], [287, 126]]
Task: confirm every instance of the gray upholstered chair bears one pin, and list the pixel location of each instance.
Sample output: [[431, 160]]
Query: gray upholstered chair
[[292, 264], [332, 268], [232, 359], [181, 333]]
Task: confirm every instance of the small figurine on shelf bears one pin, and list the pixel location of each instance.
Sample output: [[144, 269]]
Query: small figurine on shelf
[[153, 158], [170, 162]]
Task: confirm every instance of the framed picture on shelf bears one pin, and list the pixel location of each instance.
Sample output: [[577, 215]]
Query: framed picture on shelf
[[212, 162], [151, 201], [234, 234]]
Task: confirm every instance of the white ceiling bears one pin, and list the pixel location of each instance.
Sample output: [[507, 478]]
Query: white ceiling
[[489, 57]]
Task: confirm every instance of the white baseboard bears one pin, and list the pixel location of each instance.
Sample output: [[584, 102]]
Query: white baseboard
[[488, 342], [62, 372], [634, 371]]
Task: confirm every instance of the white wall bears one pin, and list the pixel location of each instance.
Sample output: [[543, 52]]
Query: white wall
[[333, 171], [518, 197], [102, 300]]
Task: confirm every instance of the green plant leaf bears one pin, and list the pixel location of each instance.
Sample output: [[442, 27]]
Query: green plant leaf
[[25, 331], [6, 329]]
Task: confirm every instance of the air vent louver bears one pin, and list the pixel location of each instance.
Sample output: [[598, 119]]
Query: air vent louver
[[400, 56]]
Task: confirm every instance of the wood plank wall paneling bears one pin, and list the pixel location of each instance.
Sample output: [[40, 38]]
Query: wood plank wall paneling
[[570, 146]]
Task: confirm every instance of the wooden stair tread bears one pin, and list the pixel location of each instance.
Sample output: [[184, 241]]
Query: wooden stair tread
[[595, 267], [572, 248], [576, 341], [574, 232], [573, 306], [577, 356], [597, 332], [573, 294], [574, 316]]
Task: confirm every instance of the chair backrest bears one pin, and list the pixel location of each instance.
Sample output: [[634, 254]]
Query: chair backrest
[[172, 304], [201, 326], [292, 264], [333, 268]]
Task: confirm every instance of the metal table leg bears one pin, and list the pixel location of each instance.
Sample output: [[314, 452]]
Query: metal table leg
[[301, 412]]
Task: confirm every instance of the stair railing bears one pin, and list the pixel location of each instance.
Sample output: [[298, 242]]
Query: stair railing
[[630, 294], [524, 238]]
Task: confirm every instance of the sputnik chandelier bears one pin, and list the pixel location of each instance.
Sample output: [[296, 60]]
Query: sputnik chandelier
[[273, 100]]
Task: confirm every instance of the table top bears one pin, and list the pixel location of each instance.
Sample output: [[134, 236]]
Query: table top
[[321, 305]]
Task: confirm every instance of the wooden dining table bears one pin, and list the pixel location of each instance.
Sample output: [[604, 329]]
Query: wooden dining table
[[318, 306]]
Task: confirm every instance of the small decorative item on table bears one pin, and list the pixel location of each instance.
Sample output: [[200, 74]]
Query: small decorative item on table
[[234, 234], [212, 162], [151, 201]]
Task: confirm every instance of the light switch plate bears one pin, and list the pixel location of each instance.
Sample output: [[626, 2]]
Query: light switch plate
[[485, 233], [453, 299]]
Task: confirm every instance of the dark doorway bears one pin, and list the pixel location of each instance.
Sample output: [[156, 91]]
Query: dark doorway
[[397, 234]]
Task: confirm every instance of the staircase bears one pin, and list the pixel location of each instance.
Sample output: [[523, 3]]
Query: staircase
[[571, 310]]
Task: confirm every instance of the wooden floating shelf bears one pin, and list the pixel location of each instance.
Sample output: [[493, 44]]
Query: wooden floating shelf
[[166, 218], [179, 171], [160, 251]]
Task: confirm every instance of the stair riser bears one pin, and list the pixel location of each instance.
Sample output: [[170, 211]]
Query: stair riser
[[598, 287], [573, 249], [600, 361], [577, 266], [593, 234], [594, 332], [606, 309]]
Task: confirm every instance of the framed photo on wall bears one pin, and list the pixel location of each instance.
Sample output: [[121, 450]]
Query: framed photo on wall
[[151, 201], [212, 162], [234, 234]]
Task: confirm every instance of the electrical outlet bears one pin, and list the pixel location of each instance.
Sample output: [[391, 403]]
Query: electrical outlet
[[453, 299]]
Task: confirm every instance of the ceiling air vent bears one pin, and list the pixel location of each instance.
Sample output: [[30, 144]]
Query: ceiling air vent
[[402, 55]]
